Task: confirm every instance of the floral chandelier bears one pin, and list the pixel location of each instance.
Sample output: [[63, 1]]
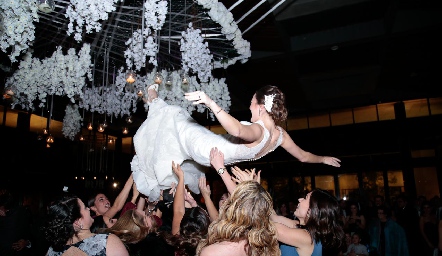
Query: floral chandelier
[[179, 62]]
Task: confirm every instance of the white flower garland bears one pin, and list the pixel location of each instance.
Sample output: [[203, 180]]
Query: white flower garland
[[72, 122], [87, 13], [196, 55], [155, 13], [220, 14], [60, 75], [16, 26], [132, 54]]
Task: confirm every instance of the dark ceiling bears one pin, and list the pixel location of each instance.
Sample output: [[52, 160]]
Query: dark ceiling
[[324, 55]]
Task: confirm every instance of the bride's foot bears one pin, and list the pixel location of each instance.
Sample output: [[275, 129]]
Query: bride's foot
[[152, 92]]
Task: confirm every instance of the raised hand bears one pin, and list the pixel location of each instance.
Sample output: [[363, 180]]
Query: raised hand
[[178, 171], [198, 97], [216, 158], [204, 188], [240, 175]]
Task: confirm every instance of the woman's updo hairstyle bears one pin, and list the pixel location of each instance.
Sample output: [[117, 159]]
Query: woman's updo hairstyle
[[278, 111]]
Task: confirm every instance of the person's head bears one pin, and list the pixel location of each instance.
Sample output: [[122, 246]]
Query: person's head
[[223, 199], [99, 204], [378, 200], [356, 238], [245, 216], [354, 208], [401, 201], [67, 216], [319, 212], [193, 228], [275, 100], [133, 226], [383, 213], [427, 208]]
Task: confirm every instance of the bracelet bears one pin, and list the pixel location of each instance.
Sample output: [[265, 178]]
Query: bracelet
[[218, 111]]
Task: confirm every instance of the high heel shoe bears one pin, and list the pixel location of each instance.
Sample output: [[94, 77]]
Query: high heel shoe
[[151, 98]]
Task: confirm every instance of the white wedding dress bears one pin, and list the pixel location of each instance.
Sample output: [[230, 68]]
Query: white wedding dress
[[169, 134]]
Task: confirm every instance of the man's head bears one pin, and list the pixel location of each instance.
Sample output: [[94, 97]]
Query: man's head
[[355, 238], [378, 200]]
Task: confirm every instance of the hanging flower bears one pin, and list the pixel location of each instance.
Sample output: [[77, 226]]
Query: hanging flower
[[136, 54], [58, 75], [87, 13], [155, 13], [196, 55], [72, 122], [16, 26], [220, 14]]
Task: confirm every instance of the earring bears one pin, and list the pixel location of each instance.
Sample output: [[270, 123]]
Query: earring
[[81, 226]]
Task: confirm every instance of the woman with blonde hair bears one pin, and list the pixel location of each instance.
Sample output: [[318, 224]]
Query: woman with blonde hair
[[243, 227]]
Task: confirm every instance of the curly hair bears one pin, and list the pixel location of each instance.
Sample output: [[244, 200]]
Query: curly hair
[[245, 216], [130, 227], [193, 228], [62, 214], [279, 111], [322, 222]]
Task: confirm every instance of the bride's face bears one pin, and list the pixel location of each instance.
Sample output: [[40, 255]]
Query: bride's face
[[254, 109]]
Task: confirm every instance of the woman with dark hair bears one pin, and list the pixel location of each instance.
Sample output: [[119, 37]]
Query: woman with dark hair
[[170, 134], [67, 231], [190, 224], [316, 226], [243, 227], [104, 211]]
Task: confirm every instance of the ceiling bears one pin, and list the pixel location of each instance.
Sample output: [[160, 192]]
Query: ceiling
[[324, 55]]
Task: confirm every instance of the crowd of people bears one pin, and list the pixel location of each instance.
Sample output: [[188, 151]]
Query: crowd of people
[[173, 213]]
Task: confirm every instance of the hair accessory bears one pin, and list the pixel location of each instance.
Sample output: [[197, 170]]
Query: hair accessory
[[268, 102]]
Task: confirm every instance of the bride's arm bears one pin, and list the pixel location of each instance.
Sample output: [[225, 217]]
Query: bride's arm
[[250, 133], [306, 157]]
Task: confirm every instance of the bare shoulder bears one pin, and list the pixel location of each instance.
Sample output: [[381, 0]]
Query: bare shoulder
[[115, 246], [225, 249]]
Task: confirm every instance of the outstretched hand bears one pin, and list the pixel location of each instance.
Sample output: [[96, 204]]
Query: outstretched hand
[[216, 158], [204, 187], [178, 171], [240, 175], [198, 97], [333, 161]]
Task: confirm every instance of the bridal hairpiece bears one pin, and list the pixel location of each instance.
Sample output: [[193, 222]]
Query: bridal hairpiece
[[268, 102]]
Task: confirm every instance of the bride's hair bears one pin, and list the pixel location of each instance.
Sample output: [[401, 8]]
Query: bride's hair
[[278, 112]]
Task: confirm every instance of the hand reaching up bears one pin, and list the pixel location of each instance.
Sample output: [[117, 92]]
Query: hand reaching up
[[204, 188], [240, 175], [178, 171], [189, 199], [216, 158]]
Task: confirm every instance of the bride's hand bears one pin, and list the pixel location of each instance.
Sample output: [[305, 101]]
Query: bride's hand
[[198, 97]]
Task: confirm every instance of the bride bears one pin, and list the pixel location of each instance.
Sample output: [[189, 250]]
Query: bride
[[169, 134]]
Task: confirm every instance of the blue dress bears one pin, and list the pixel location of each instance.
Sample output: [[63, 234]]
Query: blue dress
[[287, 250]]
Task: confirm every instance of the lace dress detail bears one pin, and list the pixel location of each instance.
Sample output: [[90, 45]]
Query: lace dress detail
[[169, 134], [92, 246]]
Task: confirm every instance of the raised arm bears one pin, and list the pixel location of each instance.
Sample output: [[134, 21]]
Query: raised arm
[[217, 161], [249, 133], [205, 192], [306, 157], [178, 201], [119, 202]]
